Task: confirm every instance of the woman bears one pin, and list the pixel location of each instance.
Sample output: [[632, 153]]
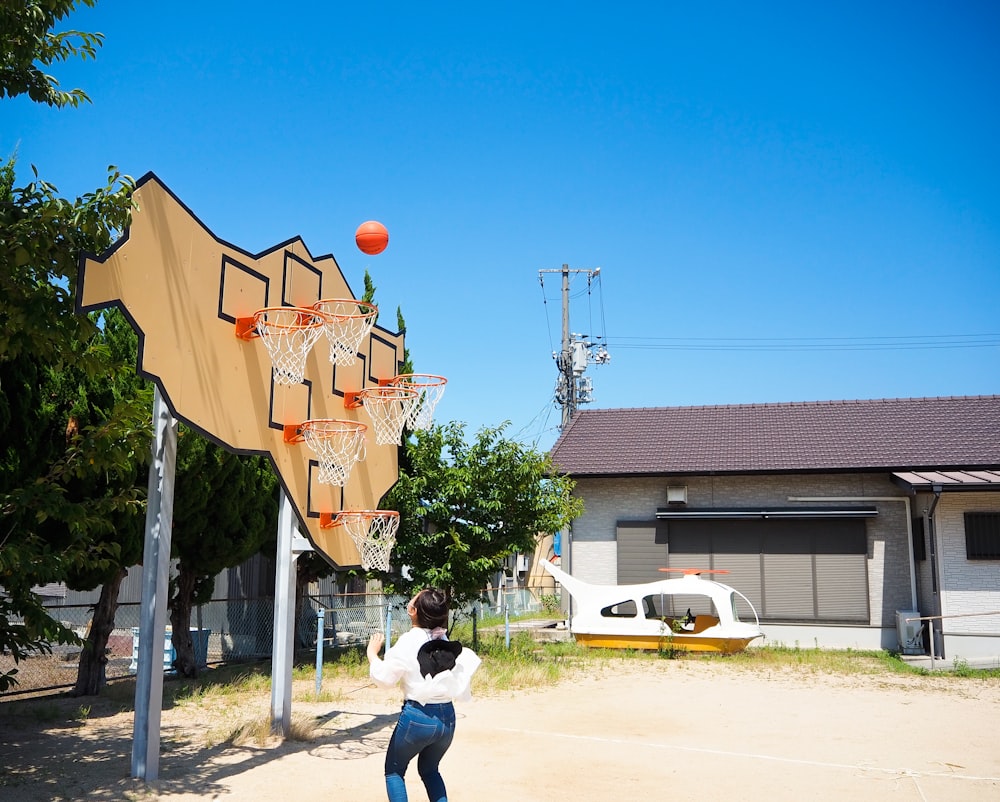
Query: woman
[[434, 672]]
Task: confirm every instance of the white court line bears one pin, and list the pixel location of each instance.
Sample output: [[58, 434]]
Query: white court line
[[751, 755]]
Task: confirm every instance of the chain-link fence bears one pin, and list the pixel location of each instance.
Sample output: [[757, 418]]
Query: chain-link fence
[[223, 631], [242, 630]]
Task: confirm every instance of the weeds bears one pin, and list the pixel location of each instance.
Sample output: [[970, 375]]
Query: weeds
[[260, 732]]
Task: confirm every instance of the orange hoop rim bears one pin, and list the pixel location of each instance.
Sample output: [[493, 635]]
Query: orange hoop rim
[[356, 398], [390, 392], [417, 380], [322, 427], [337, 518], [372, 310], [321, 317]]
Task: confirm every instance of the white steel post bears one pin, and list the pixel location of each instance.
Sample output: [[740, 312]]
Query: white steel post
[[153, 611], [282, 650]]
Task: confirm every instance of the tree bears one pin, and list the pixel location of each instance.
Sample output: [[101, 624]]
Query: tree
[[95, 399], [465, 507], [26, 37], [44, 530], [225, 509]]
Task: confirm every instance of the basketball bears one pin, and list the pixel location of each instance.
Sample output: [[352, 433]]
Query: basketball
[[371, 237]]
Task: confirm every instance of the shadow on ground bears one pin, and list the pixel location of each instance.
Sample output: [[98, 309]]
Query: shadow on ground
[[61, 748]]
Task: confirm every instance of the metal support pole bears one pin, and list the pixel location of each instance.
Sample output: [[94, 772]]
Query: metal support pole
[[153, 612], [506, 621], [282, 650], [569, 408], [319, 650]]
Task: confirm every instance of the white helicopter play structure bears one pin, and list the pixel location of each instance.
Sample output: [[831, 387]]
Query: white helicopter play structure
[[645, 616]]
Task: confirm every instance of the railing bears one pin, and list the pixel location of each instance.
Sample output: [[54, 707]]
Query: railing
[[923, 618]]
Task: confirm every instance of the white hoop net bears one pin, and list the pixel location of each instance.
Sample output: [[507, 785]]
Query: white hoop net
[[389, 408], [338, 445], [429, 391], [348, 321], [288, 334], [373, 533]]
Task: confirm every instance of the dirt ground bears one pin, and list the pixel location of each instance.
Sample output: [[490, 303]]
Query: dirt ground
[[684, 730]]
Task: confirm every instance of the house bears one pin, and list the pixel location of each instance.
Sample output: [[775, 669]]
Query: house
[[838, 520]]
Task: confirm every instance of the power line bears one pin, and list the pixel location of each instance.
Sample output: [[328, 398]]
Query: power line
[[876, 343]]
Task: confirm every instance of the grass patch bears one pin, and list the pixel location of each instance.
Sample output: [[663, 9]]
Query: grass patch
[[525, 664], [258, 732], [212, 687]]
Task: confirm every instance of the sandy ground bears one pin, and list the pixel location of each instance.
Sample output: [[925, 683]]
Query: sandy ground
[[683, 730]]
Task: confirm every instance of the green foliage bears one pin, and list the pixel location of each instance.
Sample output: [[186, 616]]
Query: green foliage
[[550, 602], [41, 239], [68, 452], [71, 482], [465, 507], [369, 294], [27, 44], [225, 510]]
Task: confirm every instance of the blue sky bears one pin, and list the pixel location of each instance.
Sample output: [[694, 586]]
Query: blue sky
[[787, 201]]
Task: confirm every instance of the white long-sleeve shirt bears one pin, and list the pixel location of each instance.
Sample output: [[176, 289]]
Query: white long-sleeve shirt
[[400, 665]]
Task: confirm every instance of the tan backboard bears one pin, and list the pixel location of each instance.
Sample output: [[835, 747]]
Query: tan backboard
[[183, 289]]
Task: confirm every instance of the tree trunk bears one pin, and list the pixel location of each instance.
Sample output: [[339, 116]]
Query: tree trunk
[[185, 663], [91, 674], [302, 581]]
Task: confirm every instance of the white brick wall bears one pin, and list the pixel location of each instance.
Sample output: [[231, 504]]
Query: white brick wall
[[967, 586]]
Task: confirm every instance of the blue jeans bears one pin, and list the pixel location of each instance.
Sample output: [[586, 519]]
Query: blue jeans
[[424, 730]]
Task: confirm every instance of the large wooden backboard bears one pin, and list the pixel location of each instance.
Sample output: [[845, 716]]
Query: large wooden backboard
[[183, 289]]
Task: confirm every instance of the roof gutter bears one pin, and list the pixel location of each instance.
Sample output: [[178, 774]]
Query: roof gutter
[[666, 513]]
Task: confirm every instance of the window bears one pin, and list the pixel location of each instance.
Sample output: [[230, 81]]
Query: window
[[919, 541], [982, 535], [623, 609]]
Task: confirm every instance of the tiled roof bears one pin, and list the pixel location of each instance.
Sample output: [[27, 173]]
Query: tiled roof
[[895, 434]]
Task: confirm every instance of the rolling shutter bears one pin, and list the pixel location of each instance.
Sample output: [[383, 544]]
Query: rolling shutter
[[807, 569], [640, 555]]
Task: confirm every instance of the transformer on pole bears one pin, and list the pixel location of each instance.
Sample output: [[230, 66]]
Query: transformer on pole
[[577, 352]]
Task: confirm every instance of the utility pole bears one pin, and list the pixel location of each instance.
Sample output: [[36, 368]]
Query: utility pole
[[572, 387]]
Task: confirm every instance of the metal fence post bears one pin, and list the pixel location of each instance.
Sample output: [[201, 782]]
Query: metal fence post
[[506, 622], [319, 650]]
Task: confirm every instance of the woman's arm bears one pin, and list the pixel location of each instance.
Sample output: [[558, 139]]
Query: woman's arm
[[385, 672], [375, 646]]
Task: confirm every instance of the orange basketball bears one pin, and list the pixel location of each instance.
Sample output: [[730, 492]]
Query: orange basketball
[[372, 237]]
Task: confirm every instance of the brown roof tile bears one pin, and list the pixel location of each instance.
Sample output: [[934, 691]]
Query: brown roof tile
[[893, 433]]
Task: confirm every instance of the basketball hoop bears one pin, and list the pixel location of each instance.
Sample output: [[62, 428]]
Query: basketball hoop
[[288, 334], [389, 408], [347, 323], [429, 391], [373, 532], [338, 445]]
